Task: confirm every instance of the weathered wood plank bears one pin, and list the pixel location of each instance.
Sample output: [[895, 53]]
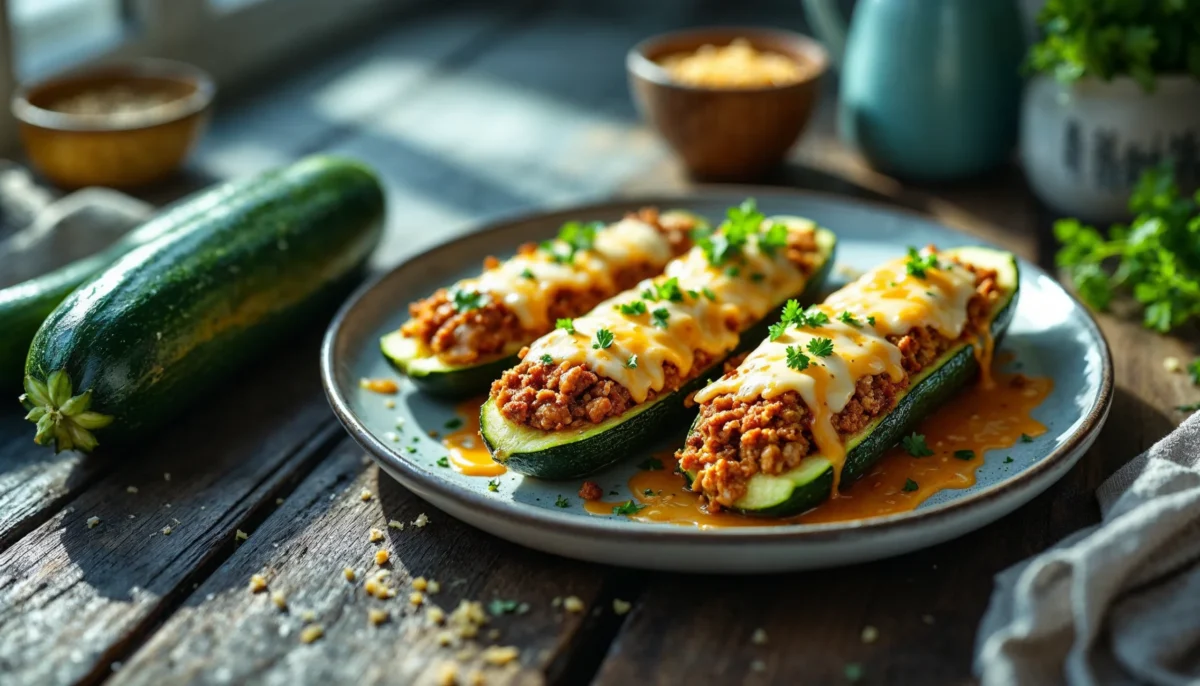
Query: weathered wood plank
[[224, 633], [73, 597]]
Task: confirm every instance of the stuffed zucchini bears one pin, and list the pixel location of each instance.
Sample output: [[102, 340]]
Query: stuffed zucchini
[[602, 385], [833, 387], [461, 338]]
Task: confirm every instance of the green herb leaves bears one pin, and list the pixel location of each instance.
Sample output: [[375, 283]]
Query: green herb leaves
[[562, 502], [573, 237], [1157, 257], [466, 299], [910, 486], [660, 317], [604, 339], [918, 264], [546, 359], [62, 417], [631, 363], [848, 319], [821, 347], [627, 508], [633, 309], [796, 359], [914, 444], [966, 455], [728, 243], [567, 325]]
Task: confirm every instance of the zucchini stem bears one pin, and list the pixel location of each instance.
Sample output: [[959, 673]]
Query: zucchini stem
[[60, 416]]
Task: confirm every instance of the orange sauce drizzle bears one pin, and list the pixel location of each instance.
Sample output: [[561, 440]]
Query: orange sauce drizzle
[[464, 445], [977, 419], [384, 386]]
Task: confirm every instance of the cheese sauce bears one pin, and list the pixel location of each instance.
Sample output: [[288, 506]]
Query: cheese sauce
[[976, 420], [712, 309], [885, 301], [464, 446]]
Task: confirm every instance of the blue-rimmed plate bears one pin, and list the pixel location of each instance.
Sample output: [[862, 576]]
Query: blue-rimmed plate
[[1051, 335]]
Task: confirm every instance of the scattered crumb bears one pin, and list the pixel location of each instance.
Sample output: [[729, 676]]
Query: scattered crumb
[[759, 637], [590, 490], [166, 476], [375, 535], [349, 574], [421, 520], [240, 535], [433, 433], [758, 666], [377, 616], [131, 489], [557, 602], [447, 674], [493, 634], [308, 616], [365, 495], [279, 501], [573, 604], [389, 404], [445, 638], [467, 618], [500, 655], [381, 556], [928, 619], [392, 436], [621, 607], [433, 587], [311, 633], [420, 583], [1172, 364], [258, 584], [436, 614], [416, 598], [523, 608], [93, 522], [393, 524], [166, 530], [475, 678], [280, 600], [869, 634], [167, 505]]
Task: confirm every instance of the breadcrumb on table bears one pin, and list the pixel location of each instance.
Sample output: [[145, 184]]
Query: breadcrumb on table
[[166, 530], [759, 637], [377, 616], [374, 535], [421, 520], [573, 604], [500, 655], [349, 574], [258, 583], [416, 598], [393, 524], [131, 489], [279, 599], [869, 634], [312, 632], [433, 587], [621, 607], [381, 556], [420, 583], [436, 614], [365, 495], [447, 674], [93, 522]]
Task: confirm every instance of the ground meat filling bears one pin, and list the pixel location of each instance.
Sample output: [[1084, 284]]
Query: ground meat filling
[[736, 439], [561, 395], [467, 337]]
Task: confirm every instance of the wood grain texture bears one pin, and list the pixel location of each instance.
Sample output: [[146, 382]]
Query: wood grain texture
[[225, 634], [73, 597]]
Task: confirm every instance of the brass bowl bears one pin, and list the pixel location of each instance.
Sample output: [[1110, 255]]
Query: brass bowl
[[726, 134], [114, 148]]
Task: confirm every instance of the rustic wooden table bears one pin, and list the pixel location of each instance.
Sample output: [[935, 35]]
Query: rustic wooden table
[[468, 112]]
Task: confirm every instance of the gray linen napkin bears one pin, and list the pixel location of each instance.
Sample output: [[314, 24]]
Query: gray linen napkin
[[1116, 603]]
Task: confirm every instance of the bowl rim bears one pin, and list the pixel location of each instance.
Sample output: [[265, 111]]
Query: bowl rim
[[147, 67], [645, 68]]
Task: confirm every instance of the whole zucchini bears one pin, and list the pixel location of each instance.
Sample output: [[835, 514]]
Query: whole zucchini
[[171, 319]]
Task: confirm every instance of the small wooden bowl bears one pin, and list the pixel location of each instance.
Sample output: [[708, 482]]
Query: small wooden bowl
[[119, 150], [726, 134]]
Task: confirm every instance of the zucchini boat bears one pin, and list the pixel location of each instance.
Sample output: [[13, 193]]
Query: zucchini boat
[[608, 383], [457, 341], [834, 387], [134, 345]]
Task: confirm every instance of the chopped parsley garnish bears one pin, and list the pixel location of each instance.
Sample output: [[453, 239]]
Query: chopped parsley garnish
[[910, 486], [796, 359], [1193, 370], [573, 237], [758, 277], [848, 319], [821, 347], [914, 444], [499, 607], [634, 308], [917, 263], [452, 424], [965, 454], [546, 359], [695, 294], [871, 320], [1190, 407], [466, 300], [411, 449], [776, 330], [627, 508], [604, 338], [1008, 459], [792, 314], [708, 293], [814, 317], [732, 272], [1026, 438], [631, 363], [774, 239], [730, 238], [443, 461], [562, 502], [669, 290], [647, 491], [650, 294], [650, 464], [660, 317], [528, 274], [493, 486], [567, 325]]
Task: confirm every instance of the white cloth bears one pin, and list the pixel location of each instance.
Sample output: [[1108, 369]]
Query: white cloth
[[1117, 603]]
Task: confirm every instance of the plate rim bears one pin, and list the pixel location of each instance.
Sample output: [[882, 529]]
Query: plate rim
[[524, 515]]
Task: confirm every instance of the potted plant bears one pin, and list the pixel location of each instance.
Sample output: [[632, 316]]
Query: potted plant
[[1116, 90]]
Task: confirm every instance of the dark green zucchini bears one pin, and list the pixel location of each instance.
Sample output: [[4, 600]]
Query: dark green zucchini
[[432, 375], [168, 321], [579, 452], [810, 484]]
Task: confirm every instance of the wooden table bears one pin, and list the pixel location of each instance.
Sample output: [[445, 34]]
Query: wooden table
[[466, 112]]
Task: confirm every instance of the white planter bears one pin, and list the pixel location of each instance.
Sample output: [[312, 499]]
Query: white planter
[[1085, 144]]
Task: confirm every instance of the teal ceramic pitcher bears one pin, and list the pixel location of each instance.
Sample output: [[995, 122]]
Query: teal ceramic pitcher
[[930, 89]]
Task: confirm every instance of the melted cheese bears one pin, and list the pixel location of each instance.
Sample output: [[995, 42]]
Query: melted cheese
[[694, 323], [897, 301], [627, 243]]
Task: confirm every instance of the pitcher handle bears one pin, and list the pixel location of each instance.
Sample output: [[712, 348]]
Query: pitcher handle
[[829, 25]]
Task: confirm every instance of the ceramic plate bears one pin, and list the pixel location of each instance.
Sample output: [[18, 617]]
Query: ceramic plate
[[1051, 335]]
